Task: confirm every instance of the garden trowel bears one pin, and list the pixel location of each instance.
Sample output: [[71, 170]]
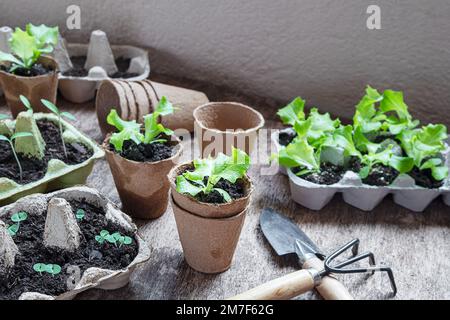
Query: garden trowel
[[287, 238]]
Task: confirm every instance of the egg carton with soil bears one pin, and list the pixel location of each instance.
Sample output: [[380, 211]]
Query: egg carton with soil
[[404, 189], [45, 165], [54, 246], [84, 66]]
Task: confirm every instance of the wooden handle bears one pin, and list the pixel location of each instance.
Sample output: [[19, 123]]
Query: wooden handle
[[283, 288], [330, 288]]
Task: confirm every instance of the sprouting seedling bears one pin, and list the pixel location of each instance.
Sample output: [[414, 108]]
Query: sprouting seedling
[[26, 103], [52, 269], [17, 218], [11, 143], [116, 238], [80, 214], [60, 115]]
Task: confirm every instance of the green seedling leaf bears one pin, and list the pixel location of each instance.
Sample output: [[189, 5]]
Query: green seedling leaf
[[127, 130], [40, 267], [26, 103], [10, 58], [164, 107], [45, 37], [3, 117], [19, 217], [21, 135], [293, 112], [25, 47], [127, 240], [80, 214], [104, 233], [100, 239], [299, 154], [53, 269], [68, 115], [13, 229], [230, 168], [50, 106]]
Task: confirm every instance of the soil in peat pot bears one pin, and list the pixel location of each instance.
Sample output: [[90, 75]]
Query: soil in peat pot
[[35, 169], [286, 137], [78, 69], [29, 239], [329, 174], [380, 176], [36, 70], [152, 152]]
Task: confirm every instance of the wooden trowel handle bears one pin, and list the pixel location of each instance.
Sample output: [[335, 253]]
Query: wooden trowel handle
[[283, 288], [330, 288]]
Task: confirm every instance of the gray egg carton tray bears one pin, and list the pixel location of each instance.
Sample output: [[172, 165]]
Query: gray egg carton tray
[[362, 196]]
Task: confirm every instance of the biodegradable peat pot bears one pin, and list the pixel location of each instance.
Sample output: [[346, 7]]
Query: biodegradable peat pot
[[135, 99], [34, 88], [143, 186], [209, 233], [221, 125]]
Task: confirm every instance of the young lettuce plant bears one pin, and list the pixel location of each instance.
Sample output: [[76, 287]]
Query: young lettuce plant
[[213, 170], [80, 214], [116, 238], [60, 115], [383, 113], [52, 269], [11, 143], [425, 146], [130, 130], [319, 126], [28, 45], [17, 218]]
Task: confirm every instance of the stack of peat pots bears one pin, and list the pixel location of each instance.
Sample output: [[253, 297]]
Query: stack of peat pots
[[209, 233]]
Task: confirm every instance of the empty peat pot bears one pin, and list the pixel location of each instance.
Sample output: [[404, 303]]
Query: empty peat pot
[[221, 125], [209, 233], [143, 186], [34, 88]]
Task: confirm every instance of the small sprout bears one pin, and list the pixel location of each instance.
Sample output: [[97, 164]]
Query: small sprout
[[17, 218], [116, 238], [60, 115], [26, 103], [80, 214], [11, 140], [52, 269], [13, 229]]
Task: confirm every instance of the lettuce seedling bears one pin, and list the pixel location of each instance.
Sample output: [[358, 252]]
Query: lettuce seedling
[[17, 218], [80, 214], [131, 130], [316, 126], [116, 238], [60, 115], [28, 45], [213, 170], [11, 143], [385, 112], [52, 269], [425, 146]]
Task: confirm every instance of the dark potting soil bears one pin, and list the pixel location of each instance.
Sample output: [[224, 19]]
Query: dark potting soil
[[425, 179], [329, 174], [380, 175], [235, 190], [35, 169], [286, 137], [145, 152], [29, 239], [78, 69], [36, 70]]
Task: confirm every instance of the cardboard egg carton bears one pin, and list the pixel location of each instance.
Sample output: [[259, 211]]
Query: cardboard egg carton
[[362, 196]]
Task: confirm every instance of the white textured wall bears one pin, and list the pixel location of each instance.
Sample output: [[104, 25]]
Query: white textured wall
[[320, 49]]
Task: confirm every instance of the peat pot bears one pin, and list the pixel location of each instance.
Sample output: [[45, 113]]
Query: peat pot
[[209, 233], [34, 88], [143, 186], [221, 125]]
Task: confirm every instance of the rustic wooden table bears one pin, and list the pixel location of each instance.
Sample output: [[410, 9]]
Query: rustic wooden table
[[415, 245]]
